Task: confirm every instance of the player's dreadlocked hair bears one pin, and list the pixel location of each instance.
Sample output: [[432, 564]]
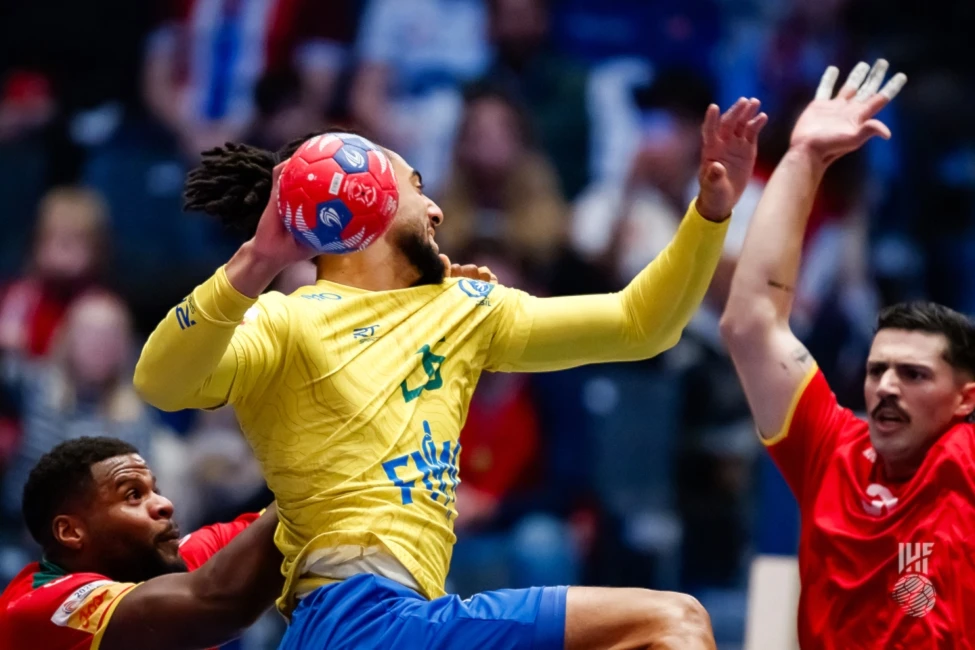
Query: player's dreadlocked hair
[[60, 474], [233, 183]]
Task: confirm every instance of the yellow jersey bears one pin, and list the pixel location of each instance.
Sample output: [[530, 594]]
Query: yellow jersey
[[353, 400]]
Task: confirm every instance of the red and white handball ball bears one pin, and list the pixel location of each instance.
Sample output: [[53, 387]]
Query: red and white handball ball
[[338, 194]]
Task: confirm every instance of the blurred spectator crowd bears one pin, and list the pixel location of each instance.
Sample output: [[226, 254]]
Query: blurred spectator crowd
[[561, 139]]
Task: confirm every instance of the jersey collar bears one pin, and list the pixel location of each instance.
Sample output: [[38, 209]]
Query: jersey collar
[[48, 572]]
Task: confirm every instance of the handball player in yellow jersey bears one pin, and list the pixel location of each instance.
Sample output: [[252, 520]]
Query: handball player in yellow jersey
[[352, 394]]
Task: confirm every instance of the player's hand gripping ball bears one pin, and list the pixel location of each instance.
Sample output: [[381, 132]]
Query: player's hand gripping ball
[[337, 193]]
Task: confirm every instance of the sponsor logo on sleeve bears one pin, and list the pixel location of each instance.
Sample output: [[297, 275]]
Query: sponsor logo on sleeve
[[185, 312], [83, 598]]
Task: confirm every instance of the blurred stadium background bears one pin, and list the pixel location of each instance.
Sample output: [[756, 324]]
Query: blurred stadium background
[[561, 139]]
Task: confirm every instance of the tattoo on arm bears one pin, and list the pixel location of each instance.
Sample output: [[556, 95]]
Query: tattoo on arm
[[801, 356], [779, 285]]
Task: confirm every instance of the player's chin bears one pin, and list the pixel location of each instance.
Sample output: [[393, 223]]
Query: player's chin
[[169, 552]]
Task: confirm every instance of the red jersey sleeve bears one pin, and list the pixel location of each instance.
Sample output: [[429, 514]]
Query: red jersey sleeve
[[70, 613], [198, 547], [812, 430]]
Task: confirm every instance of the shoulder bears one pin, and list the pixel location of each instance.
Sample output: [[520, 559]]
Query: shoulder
[[482, 298], [815, 413], [815, 398], [306, 308], [310, 296], [21, 585], [958, 445], [271, 311], [464, 289], [78, 602], [272, 302]]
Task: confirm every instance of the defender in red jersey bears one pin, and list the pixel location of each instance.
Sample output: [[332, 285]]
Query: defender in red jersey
[[116, 573], [886, 553]]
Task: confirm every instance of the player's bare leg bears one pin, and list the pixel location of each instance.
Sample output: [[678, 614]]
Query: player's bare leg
[[629, 619]]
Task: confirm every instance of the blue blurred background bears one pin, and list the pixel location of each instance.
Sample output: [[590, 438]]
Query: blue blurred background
[[561, 139]]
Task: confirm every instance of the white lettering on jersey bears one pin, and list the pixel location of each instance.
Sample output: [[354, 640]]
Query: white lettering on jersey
[[882, 503]]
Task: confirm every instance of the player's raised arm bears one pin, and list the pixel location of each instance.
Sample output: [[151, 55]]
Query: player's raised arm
[[189, 360], [770, 360], [206, 607], [650, 314]]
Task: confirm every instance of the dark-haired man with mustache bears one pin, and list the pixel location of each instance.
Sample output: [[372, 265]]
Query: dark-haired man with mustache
[[886, 551]]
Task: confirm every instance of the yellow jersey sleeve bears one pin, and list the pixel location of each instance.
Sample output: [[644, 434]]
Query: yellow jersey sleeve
[[643, 320], [212, 348]]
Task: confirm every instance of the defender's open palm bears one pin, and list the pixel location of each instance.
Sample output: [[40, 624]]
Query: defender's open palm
[[832, 127], [730, 146]]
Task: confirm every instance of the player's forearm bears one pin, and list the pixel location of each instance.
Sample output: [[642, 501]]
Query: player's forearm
[[182, 356], [250, 272], [206, 607], [661, 300], [763, 288], [242, 580], [642, 321]]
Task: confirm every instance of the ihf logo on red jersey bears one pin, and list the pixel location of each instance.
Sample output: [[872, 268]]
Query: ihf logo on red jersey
[[914, 591]]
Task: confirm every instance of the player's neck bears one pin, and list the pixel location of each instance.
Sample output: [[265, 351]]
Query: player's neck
[[378, 268], [72, 564], [902, 469]]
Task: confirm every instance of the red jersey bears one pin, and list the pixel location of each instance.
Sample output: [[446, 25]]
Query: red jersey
[[43, 607], [27, 306], [882, 564], [501, 436]]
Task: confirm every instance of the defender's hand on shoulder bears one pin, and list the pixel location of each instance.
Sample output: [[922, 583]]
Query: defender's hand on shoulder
[[469, 271]]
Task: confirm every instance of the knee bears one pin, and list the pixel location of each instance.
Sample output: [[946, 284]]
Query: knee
[[681, 622]]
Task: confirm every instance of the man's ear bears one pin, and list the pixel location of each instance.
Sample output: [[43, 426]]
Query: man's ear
[[966, 407], [69, 531]]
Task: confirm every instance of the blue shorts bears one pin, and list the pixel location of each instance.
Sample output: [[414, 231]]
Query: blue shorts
[[368, 611]]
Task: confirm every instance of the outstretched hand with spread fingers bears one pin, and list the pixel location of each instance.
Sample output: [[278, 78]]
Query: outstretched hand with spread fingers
[[728, 152], [832, 127]]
